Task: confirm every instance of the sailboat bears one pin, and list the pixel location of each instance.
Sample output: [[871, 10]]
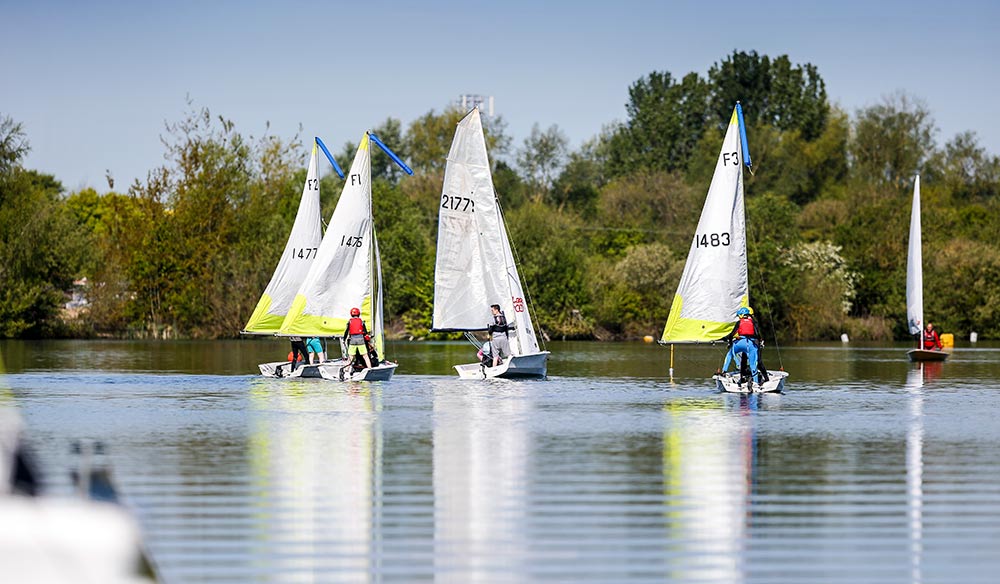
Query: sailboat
[[915, 285], [300, 251], [714, 284], [345, 273], [475, 266]]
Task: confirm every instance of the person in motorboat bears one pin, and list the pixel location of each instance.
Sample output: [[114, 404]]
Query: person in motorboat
[[743, 340], [316, 353], [499, 329], [357, 337], [932, 342], [298, 346]]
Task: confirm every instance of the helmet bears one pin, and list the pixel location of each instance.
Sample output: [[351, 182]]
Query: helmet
[[743, 311], [355, 312]]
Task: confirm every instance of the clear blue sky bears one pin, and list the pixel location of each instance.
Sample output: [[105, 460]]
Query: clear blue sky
[[94, 82]]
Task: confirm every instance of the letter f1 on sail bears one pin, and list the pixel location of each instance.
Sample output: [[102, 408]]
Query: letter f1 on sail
[[714, 283]]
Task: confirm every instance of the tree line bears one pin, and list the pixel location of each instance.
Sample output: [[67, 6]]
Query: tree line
[[601, 232]]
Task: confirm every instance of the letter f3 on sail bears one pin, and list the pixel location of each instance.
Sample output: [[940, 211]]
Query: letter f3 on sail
[[714, 283]]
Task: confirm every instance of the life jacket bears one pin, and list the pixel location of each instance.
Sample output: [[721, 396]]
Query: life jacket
[[745, 328], [931, 340], [355, 326], [499, 324]]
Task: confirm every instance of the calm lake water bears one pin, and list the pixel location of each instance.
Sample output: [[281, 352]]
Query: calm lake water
[[865, 470]]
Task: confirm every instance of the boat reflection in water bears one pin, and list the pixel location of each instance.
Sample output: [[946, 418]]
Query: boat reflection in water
[[709, 477], [316, 463], [481, 461], [915, 464]]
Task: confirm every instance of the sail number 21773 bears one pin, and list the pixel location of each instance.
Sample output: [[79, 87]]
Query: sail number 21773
[[458, 203], [711, 239]]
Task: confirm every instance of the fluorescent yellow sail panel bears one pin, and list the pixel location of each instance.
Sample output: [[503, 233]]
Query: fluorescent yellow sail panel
[[689, 330], [262, 322], [307, 325]]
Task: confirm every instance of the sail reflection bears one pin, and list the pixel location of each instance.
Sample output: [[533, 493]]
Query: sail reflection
[[481, 462], [915, 470], [315, 453], [709, 475]]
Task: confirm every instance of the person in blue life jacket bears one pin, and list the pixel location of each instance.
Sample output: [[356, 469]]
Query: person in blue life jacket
[[315, 348], [357, 337], [499, 330], [744, 339]]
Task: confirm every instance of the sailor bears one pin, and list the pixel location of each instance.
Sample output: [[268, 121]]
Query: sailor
[[298, 347], [931, 339], [744, 339], [357, 338], [315, 347], [499, 329]]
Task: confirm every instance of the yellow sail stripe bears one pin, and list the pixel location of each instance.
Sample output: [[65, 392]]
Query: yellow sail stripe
[[309, 325], [688, 330], [262, 322]]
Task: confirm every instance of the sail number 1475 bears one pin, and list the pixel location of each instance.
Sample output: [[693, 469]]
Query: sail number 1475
[[711, 239]]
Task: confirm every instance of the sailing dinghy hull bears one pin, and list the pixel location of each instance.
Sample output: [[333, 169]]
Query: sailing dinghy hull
[[530, 366], [381, 372], [327, 370], [283, 369], [924, 355], [730, 383]]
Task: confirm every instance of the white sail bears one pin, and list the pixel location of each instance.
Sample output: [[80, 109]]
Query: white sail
[[714, 285], [475, 265], [300, 252], [341, 277], [914, 268]]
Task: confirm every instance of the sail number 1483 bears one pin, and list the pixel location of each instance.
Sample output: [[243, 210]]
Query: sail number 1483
[[711, 239]]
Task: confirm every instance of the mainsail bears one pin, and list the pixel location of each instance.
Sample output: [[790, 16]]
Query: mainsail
[[475, 265], [914, 269], [300, 252], [345, 273], [714, 282]]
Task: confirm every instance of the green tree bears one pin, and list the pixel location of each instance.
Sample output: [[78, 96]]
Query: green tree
[[892, 141], [773, 92], [541, 157], [39, 257], [666, 119]]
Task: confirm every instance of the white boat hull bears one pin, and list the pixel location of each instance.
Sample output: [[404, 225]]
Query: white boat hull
[[729, 382], [381, 372], [327, 370], [283, 369], [925, 355], [532, 365]]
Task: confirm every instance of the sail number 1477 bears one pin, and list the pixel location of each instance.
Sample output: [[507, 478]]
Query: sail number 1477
[[711, 239]]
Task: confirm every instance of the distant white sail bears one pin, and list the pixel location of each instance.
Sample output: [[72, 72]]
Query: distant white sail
[[714, 283], [475, 265], [343, 275], [914, 268], [300, 252]]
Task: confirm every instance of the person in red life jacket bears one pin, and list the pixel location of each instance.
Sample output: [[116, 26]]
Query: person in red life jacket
[[745, 340], [357, 338], [932, 342]]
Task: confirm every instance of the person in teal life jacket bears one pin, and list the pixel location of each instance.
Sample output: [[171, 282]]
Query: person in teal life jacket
[[745, 340], [357, 338]]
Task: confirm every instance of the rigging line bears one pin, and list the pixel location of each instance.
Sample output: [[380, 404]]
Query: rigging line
[[517, 260], [763, 287]]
